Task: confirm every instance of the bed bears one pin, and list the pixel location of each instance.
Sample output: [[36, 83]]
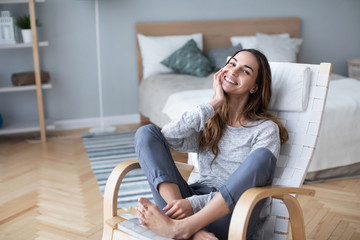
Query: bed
[[166, 92]]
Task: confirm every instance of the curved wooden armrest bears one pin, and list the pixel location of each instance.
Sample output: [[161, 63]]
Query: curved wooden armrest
[[113, 184], [110, 196], [245, 205], [114, 221]]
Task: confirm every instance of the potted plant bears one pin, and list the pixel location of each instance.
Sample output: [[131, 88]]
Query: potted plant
[[23, 22]]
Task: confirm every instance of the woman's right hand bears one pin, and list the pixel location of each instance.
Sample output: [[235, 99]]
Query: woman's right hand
[[219, 96], [179, 209]]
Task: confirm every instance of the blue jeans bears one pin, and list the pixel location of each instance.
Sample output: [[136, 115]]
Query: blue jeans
[[156, 160]]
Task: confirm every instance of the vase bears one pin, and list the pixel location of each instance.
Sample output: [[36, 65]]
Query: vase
[[26, 35]]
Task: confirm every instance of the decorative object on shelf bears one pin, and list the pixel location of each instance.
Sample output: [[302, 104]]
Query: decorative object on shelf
[[6, 28], [27, 78], [23, 22], [354, 68]]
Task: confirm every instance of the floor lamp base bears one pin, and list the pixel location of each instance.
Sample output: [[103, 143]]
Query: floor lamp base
[[105, 129]]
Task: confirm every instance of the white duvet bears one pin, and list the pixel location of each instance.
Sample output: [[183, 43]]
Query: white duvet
[[339, 138]]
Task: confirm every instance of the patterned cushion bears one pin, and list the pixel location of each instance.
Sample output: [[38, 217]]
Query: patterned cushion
[[189, 59]]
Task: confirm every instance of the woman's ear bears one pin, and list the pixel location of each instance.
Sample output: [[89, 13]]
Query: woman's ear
[[254, 89]]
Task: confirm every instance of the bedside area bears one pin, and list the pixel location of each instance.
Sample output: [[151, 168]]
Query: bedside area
[[354, 68]]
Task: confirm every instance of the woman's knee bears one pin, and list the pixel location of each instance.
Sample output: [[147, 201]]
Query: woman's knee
[[266, 162], [145, 134], [264, 156]]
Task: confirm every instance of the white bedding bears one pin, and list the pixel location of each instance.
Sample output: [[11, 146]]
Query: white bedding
[[339, 138], [155, 90], [180, 102]]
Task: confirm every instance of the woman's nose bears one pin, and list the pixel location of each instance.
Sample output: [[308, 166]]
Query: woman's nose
[[234, 71]]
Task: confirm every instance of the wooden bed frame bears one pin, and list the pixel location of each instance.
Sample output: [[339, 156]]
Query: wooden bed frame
[[216, 33]]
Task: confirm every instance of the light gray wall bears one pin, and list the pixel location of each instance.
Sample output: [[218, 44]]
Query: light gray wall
[[330, 29]]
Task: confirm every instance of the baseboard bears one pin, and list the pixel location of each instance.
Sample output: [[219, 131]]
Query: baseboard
[[95, 122]]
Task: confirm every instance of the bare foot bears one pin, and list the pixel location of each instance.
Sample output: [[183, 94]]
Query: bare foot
[[155, 220], [204, 235]]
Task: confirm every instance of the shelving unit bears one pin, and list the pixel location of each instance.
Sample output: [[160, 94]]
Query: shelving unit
[[6, 87]]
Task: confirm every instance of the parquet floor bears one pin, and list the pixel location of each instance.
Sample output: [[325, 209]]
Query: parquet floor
[[48, 191]]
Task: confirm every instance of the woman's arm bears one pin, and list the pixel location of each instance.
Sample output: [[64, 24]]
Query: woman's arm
[[267, 136], [184, 134]]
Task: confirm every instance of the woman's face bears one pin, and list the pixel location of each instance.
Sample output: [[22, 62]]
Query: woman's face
[[239, 75]]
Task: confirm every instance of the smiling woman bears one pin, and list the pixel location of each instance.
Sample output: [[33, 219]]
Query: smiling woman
[[233, 131]]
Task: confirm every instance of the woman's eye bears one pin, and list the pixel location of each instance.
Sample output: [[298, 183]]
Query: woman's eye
[[232, 64], [246, 72]]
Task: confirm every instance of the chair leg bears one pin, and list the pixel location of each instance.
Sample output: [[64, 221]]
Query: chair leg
[[107, 233], [296, 217]]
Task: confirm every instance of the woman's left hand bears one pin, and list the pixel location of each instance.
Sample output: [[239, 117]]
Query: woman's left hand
[[178, 209]]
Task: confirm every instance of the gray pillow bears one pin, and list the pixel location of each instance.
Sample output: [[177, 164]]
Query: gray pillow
[[219, 55], [189, 59]]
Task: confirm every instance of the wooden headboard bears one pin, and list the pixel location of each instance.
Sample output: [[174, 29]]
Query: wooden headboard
[[217, 33]]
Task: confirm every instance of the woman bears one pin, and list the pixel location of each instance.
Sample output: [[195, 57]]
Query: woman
[[237, 142]]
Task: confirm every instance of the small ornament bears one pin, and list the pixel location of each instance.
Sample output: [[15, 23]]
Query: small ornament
[[7, 35]]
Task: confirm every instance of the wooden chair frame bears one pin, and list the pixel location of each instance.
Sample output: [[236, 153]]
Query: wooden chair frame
[[241, 214]]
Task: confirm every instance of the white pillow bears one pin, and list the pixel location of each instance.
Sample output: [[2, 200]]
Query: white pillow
[[290, 86], [248, 42], [279, 49], [155, 49]]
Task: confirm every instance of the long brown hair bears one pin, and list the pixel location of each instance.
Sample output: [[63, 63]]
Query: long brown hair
[[255, 109]]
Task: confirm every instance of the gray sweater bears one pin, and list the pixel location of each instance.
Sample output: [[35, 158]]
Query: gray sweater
[[236, 144]]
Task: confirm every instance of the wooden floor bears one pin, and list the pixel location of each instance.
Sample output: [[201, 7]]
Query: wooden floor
[[48, 191]]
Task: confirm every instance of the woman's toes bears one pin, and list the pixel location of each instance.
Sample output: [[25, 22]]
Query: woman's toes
[[144, 201]]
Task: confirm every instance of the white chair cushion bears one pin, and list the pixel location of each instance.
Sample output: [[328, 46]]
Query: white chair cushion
[[290, 86]]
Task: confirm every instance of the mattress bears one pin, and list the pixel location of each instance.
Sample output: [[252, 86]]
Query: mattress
[[155, 90], [337, 153]]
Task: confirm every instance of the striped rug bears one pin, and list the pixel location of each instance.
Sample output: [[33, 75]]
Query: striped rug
[[105, 151]]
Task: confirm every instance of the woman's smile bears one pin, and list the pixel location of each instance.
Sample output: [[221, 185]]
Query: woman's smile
[[230, 81]]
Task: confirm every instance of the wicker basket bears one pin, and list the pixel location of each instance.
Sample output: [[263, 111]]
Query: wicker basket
[[354, 68]]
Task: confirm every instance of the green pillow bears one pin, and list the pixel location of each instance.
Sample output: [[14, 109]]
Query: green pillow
[[189, 59]]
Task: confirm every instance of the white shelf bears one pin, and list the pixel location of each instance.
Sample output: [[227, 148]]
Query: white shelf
[[19, 1], [7, 87], [22, 45], [23, 127]]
